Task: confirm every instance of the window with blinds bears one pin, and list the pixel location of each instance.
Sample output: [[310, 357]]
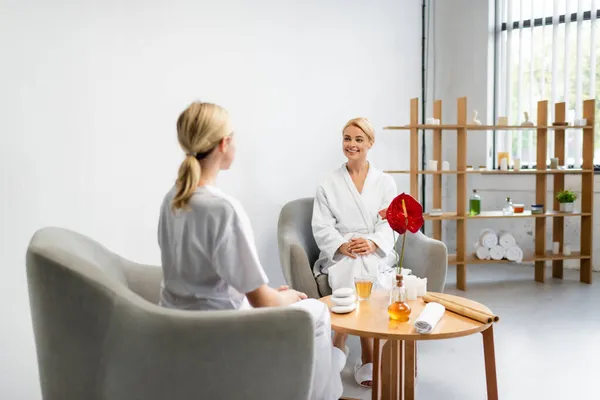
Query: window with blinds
[[545, 50]]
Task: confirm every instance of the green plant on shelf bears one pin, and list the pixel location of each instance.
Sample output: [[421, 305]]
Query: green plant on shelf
[[566, 196]]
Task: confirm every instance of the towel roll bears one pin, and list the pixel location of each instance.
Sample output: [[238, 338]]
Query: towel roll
[[488, 238], [431, 315], [514, 254], [482, 253], [506, 240], [497, 253]]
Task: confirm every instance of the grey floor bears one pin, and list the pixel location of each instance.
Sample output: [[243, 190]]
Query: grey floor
[[547, 341]]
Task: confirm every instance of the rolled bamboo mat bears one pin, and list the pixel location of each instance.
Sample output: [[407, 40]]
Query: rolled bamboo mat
[[494, 316], [462, 309]]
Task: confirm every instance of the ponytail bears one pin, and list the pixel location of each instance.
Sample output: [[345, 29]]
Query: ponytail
[[200, 127], [187, 182]]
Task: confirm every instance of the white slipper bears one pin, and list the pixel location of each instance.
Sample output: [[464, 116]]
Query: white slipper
[[363, 373]]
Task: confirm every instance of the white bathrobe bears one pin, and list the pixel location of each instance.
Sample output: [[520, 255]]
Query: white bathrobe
[[341, 213], [209, 262]]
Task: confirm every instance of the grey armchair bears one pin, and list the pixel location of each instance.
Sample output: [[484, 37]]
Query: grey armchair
[[100, 335], [298, 251]]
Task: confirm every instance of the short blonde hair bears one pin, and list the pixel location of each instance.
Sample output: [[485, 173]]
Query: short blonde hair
[[200, 128], [364, 125]]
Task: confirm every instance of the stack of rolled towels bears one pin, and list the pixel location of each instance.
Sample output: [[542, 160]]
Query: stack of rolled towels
[[498, 246]]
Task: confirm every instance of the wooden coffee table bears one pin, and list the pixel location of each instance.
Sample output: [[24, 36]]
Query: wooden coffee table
[[397, 375]]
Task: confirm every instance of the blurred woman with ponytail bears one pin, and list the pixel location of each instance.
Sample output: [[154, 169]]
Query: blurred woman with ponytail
[[209, 258]]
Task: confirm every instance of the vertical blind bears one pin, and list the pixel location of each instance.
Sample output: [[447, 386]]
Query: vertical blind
[[546, 50]]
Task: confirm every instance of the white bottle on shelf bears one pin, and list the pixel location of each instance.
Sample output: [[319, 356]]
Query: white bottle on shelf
[[508, 207]]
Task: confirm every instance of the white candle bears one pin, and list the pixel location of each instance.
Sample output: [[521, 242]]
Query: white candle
[[556, 248], [411, 287], [432, 165], [422, 287], [517, 164], [411, 291], [566, 250]]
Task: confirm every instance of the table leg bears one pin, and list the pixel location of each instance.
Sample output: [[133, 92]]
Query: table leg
[[490, 363], [416, 359], [401, 368], [396, 370], [409, 371], [392, 364], [376, 388]]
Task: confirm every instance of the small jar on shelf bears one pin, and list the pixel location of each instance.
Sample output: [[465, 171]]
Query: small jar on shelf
[[508, 207]]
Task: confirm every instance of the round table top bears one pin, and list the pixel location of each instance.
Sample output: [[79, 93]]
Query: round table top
[[370, 319]]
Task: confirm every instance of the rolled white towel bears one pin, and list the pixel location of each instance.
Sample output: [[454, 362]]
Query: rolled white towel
[[515, 254], [506, 240], [431, 315], [482, 253], [488, 238], [497, 253]]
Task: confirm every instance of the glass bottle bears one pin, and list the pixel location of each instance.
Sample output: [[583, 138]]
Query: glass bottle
[[399, 310], [475, 204], [508, 207]]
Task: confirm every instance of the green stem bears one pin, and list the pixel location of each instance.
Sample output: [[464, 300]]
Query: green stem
[[402, 255], [395, 247]]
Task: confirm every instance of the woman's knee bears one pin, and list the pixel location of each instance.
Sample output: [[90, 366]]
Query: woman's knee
[[318, 311]]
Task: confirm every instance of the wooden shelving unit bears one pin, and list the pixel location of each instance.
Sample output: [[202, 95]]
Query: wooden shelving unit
[[463, 257]]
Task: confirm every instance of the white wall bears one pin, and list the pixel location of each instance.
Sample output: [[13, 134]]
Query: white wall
[[462, 53], [90, 92]]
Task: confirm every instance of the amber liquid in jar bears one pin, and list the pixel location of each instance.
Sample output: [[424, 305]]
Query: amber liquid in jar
[[399, 310]]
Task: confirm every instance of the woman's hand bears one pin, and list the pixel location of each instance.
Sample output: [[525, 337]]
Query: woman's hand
[[344, 249], [291, 296], [266, 296], [362, 246]]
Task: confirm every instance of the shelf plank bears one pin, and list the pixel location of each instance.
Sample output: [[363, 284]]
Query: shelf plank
[[498, 214], [573, 171], [405, 171], [422, 126], [527, 259], [472, 259], [520, 128], [525, 214], [575, 255], [482, 127], [531, 171], [444, 216]]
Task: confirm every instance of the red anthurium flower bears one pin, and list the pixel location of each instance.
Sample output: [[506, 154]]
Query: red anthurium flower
[[405, 213]]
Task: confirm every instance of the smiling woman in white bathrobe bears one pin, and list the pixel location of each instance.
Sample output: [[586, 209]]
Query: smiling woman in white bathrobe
[[348, 229]]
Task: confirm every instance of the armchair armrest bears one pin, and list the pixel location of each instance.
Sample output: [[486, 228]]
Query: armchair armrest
[[144, 280], [296, 267], [176, 354]]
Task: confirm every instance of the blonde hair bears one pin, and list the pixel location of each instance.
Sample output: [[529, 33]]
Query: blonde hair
[[364, 125], [200, 128]]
